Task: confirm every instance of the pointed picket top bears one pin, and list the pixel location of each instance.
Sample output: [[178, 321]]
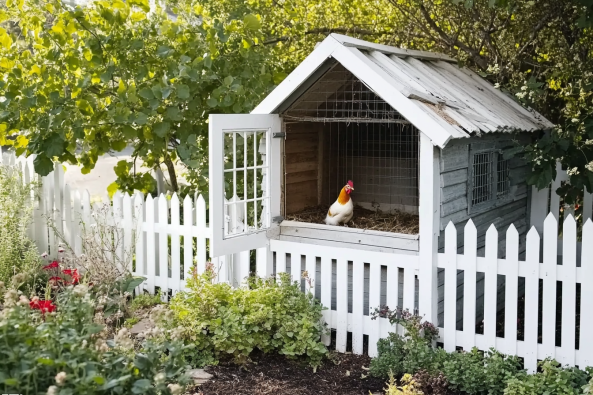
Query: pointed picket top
[[451, 238], [512, 243], [532, 244], [127, 200], [569, 221], [470, 238], [589, 227], [492, 242], [201, 211], [186, 200], [550, 221], [174, 199]]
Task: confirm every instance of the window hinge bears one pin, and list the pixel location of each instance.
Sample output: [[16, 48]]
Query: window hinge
[[278, 135]]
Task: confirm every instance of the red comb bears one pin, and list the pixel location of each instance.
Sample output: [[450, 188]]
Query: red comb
[[350, 183]]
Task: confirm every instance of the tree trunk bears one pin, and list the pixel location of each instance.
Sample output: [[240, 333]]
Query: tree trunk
[[172, 175]]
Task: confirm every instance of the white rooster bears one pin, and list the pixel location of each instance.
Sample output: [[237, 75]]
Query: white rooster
[[342, 210]]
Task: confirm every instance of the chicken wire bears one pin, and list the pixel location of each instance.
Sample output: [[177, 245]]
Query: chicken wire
[[364, 140]]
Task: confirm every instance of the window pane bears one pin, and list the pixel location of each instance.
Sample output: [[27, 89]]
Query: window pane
[[504, 183]]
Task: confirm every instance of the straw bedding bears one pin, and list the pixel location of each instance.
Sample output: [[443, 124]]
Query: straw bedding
[[395, 221]]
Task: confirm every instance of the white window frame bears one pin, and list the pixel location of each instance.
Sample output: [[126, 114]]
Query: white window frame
[[219, 124]]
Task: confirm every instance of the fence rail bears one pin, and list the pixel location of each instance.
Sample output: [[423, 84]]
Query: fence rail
[[540, 314]]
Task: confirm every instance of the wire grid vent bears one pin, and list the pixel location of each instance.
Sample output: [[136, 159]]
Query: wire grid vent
[[339, 96], [490, 177], [380, 158]]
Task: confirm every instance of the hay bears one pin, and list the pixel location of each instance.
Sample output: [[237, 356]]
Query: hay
[[395, 222]]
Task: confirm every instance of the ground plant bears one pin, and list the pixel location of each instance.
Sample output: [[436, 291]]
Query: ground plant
[[266, 314], [18, 254], [57, 347]]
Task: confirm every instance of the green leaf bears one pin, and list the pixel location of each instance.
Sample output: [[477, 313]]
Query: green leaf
[[122, 168], [141, 118], [43, 165], [173, 114], [161, 128], [84, 107], [251, 22], [183, 91], [141, 386], [146, 93], [46, 361], [163, 51], [136, 281], [212, 102]]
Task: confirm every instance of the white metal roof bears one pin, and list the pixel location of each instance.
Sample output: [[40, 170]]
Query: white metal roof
[[428, 89]]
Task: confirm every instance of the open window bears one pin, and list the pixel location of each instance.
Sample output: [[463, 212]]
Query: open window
[[244, 199]]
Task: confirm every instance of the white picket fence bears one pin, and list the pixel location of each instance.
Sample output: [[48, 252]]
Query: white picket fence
[[168, 237]]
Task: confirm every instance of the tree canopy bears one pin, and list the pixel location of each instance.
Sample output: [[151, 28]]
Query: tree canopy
[[80, 82]]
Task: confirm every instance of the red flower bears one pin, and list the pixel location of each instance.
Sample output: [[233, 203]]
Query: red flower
[[52, 265], [55, 279], [74, 274], [45, 306]]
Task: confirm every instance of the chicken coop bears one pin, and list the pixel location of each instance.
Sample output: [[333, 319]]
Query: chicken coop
[[424, 142]]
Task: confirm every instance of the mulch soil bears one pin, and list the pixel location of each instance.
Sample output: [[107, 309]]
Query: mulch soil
[[343, 374]]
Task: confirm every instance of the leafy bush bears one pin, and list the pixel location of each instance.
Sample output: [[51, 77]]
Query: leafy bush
[[408, 387], [17, 253], [431, 383], [65, 352], [267, 315], [145, 301], [553, 379]]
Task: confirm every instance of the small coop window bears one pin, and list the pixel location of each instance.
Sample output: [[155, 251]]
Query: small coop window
[[340, 130], [490, 177]]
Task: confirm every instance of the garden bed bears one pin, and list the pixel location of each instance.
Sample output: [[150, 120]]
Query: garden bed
[[343, 374], [395, 222]]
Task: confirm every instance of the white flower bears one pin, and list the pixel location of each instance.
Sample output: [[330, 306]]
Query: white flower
[[122, 339], [574, 120], [589, 166], [61, 378], [520, 95], [160, 378], [52, 390], [175, 389], [572, 172], [497, 86], [80, 290], [44, 255]]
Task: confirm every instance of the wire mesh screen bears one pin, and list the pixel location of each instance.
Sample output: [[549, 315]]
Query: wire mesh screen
[[502, 176], [380, 158], [482, 168], [340, 96]]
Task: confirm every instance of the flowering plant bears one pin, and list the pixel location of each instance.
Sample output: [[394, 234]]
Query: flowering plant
[[58, 348]]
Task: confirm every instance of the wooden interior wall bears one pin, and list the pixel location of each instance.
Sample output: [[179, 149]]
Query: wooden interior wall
[[302, 165]]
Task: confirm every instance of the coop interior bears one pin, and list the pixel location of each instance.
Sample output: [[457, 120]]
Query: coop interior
[[339, 130]]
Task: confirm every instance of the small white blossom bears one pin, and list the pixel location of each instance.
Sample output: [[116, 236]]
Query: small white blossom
[[589, 166], [574, 120], [61, 378], [497, 86], [80, 290], [572, 172], [159, 378], [175, 389], [520, 95], [52, 390]]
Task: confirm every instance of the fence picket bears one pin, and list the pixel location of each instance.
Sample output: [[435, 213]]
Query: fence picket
[[201, 238], [531, 299], [569, 290], [150, 245], [511, 290], [450, 320], [295, 267], [127, 224], [140, 265], [357, 306], [392, 293], [490, 282], [586, 346], [163, 216], [310, 263], [281, 263], [77, 225], [374, 301], [469, 285], [188, 222], [341, 304], [587, 206], [326, 289], [116, 212], [549, 291], [175, 281]]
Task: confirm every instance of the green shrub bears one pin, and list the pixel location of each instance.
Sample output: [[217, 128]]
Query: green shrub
[[66, 352], [553, 379], [17, 253], [268, 315], [144, 301]]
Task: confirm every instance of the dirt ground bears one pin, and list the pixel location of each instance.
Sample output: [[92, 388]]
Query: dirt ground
[[343, 374]]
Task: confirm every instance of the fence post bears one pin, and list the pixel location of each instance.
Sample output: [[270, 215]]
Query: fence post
[[549, 291], [357, 307], [585, 345], [469, 285], [531, 299], [569, 289], [450, 287], [201, 239], [511, 290], [490, 282], [429, 228]]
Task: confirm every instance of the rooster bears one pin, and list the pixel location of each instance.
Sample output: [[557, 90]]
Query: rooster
[[342, 210]]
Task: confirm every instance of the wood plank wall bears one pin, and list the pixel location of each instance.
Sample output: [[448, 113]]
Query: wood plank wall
[[455, 163], [302, 166]]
